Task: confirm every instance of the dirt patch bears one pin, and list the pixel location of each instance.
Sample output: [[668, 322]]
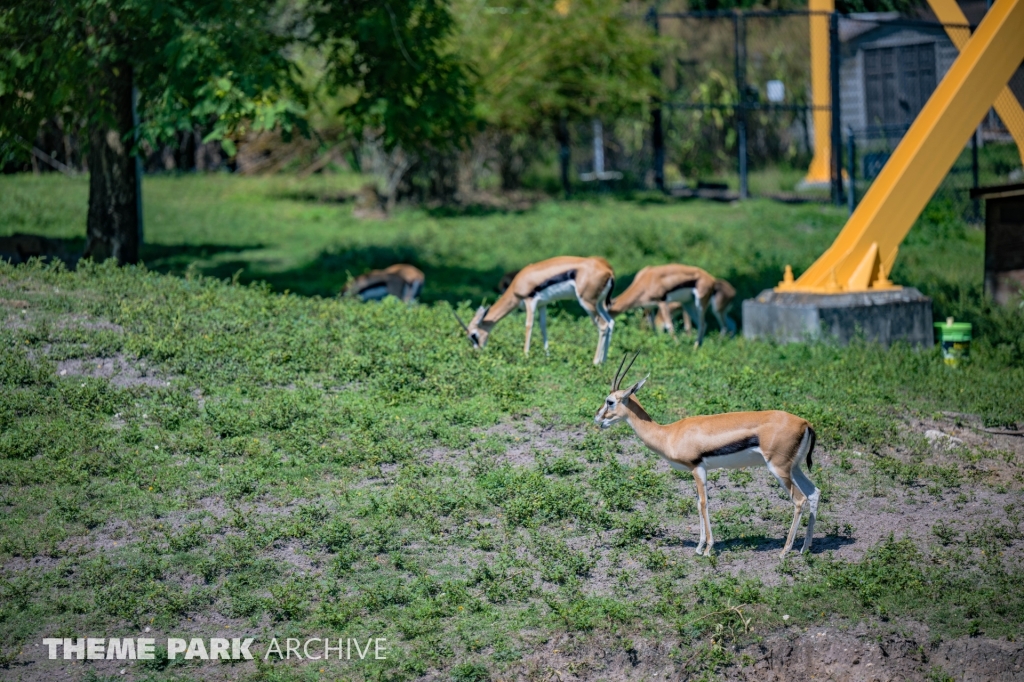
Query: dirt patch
[[120, 370], [824, 653], [829, 653], [993, 455]]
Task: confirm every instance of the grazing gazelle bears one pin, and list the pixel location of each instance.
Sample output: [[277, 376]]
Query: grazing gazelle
[[659, 284], [734, 440], [721, 303], [588, 280], [401, 281]]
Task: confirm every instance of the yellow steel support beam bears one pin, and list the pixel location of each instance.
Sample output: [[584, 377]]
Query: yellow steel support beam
[[1006, 104], [819, 171], [863, 254]]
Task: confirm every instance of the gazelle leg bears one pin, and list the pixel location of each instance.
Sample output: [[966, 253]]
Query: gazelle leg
[[696, 312], [665, 315], [544, 325], [729, 323], [812, 494], [702, 325], [652, 320], [531, 308], [598, 322], [609, 323], [722, 329], [687, 322], [799, 499], [700, 478], [603, 320]]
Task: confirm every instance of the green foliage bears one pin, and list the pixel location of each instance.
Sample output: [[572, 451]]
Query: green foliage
[[217, 64], [573, 59], [397, 55]]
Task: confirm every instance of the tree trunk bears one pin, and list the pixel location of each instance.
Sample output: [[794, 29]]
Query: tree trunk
[[112, 228]]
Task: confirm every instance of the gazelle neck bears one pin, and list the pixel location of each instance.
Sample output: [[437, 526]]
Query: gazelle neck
[[649, 431], [505, 304]]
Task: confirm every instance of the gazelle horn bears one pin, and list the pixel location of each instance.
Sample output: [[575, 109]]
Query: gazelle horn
[[459, 320], [628, 367], [615, 379]]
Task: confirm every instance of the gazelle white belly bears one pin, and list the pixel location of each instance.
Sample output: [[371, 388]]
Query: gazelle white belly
[[751, 457], [684, 295], [374, 293], [557, 292]]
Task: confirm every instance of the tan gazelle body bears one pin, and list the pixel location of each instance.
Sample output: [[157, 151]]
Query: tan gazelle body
[[721, 303], [735, 440], [657, 285], [401, 281], [589, 280]]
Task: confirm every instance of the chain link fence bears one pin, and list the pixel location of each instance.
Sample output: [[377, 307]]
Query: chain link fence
[[739, 117]]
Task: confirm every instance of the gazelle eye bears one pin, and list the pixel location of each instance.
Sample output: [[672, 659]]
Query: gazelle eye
[[610, 403]]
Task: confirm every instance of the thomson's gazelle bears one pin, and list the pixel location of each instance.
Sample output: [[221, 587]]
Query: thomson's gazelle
[[589, 280], [657, 285], [735, 440], [401, 281]]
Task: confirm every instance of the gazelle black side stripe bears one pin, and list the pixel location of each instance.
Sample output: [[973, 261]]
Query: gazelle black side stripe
[[689, 284], [557, 279], [731, 448]]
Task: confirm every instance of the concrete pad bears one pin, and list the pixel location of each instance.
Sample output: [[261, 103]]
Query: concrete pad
[[882, 316]]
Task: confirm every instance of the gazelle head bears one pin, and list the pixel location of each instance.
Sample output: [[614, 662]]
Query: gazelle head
[[614, 408], [477, 330]]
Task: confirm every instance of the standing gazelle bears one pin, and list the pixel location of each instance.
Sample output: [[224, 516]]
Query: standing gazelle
[[735, 440], [657, 285], [401, 281], [588, 280]]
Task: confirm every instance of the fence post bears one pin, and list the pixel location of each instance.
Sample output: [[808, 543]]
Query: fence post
[[741, 104], [562, 133], [138, 165], [837, 135], [974, 171], [657, 133], [851, 168]]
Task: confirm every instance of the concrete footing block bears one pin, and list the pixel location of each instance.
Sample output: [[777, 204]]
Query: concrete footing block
[[882, 316]]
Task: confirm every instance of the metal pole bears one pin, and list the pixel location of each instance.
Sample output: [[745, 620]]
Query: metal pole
[[657, 133], [563, 152], [138, 164], [974, 170], [851, 166], [741, 104], [837, 136]]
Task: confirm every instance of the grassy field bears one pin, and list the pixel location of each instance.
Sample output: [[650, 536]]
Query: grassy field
[[191, 456]]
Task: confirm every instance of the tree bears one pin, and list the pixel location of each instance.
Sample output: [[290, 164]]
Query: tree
[[544, 63], [414, 89], [222, 65]]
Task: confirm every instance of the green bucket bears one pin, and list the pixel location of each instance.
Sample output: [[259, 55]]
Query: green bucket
[[955, 338]]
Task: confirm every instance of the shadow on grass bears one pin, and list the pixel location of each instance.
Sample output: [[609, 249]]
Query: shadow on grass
[[764, 543], [327, 273]]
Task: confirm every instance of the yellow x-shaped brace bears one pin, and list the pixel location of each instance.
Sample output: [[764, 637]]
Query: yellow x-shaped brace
[[863, 254], [1006, 104]]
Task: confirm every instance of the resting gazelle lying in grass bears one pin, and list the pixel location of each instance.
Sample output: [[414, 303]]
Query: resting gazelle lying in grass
[[401, 281], [589, 280], [721, 302], [736, 440], [657, 285]]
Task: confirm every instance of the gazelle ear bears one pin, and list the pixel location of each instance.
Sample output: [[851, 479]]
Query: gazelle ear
[[637, 386]]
